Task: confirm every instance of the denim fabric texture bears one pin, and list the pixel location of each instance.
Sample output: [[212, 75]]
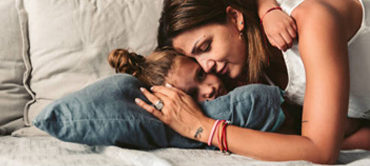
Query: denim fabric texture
[[104, 113], [254, 106]]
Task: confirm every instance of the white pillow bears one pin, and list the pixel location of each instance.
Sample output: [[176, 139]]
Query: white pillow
[[13, 48], [70, 42]]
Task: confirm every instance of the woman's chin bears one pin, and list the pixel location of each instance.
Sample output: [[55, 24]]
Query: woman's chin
[[234, 74]]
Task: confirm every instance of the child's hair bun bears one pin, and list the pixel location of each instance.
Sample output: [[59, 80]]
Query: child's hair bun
[[124, 61]]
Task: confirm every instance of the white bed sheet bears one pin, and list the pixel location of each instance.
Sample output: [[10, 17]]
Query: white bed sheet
[[48, 151]]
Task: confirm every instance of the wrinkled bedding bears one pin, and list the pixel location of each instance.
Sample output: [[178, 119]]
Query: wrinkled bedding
[[47, 151]]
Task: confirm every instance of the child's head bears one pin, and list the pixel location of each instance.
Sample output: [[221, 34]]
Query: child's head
[[168, 66]]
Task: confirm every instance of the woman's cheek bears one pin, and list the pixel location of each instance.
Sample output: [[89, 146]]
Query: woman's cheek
[[235, 71]]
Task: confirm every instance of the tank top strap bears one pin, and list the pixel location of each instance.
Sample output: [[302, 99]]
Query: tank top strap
[[289, 5]]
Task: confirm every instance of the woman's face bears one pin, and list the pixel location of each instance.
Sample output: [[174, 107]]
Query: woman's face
[[188, 76], [217, 48]]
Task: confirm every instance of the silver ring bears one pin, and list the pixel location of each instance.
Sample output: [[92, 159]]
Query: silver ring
[[158, 105]]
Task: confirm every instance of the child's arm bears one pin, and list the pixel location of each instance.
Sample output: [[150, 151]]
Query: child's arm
[[279, 27]]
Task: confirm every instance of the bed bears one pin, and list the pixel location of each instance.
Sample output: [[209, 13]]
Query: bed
[[46, 151], [51, 48]]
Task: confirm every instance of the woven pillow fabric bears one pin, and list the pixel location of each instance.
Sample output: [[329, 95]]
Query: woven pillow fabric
[[13, 63], [70, 42]]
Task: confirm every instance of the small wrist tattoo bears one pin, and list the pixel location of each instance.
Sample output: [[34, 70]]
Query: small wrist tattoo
[[198, 132]]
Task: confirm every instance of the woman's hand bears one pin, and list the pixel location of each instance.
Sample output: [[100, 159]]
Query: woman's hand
[[179, 112], [280, 29]]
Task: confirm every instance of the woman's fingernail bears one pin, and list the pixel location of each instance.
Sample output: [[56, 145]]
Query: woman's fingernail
[[168, 85], [151, 88], [137, 100], [142, 89]]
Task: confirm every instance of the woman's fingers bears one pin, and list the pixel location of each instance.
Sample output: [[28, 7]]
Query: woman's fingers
[[288, 39], [280, 42], [152, 98], [166, 101], [179, 111], [272, 41], [148, 107], [292, 33], [158, 114], [293, 24]]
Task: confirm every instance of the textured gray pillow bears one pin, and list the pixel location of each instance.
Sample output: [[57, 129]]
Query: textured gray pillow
[[70, 42], [13, 48]]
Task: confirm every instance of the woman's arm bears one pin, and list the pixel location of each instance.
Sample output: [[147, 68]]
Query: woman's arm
[[323, 48], [183, 115], [279, 27], [264, 5]]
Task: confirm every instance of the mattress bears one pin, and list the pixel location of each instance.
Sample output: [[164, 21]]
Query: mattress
[[49, 151]]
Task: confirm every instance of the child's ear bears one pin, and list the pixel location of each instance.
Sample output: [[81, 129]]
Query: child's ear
[[236, 17]]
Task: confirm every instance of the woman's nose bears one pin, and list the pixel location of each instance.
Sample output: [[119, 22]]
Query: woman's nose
[[207, 65]]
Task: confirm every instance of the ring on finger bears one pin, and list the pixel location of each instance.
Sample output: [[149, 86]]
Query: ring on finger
[[158, 105]]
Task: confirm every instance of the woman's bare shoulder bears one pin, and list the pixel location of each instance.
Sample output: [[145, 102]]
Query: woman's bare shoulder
[[340, 6], [346, 13], [309, 8]]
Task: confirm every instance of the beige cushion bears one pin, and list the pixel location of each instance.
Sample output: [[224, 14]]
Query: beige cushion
[[70, 42], [13, 46]]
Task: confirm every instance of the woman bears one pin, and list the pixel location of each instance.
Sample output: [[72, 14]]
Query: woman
[[226, 39]]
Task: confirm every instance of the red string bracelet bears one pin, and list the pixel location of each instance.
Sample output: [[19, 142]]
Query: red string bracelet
[[268, 11], [224, 136], [219, 135]]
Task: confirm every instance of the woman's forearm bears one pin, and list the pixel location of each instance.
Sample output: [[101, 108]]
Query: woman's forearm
[[273, 146], [267, 145], [264, 5]]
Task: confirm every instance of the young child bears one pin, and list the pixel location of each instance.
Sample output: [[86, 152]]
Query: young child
[[168, 66]]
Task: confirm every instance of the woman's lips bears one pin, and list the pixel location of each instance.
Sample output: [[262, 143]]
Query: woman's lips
[[224, 70]]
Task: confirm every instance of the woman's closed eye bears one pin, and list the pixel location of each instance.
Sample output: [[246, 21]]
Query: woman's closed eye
[[206, 46]]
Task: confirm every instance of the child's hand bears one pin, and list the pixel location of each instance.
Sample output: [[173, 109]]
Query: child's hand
[[280, 29]]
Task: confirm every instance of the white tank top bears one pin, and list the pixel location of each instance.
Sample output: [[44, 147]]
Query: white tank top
[[359, 62]]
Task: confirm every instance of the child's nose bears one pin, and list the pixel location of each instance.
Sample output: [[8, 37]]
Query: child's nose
[[208, 91]]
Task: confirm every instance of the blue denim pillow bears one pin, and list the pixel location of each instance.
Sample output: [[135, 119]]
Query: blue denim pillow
[[254, 106], [104, 113]]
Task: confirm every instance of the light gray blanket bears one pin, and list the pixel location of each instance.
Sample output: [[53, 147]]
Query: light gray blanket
[[48, 151]]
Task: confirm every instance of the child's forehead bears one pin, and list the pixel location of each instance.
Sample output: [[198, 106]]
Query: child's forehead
[[182, 72], [180, 60]]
